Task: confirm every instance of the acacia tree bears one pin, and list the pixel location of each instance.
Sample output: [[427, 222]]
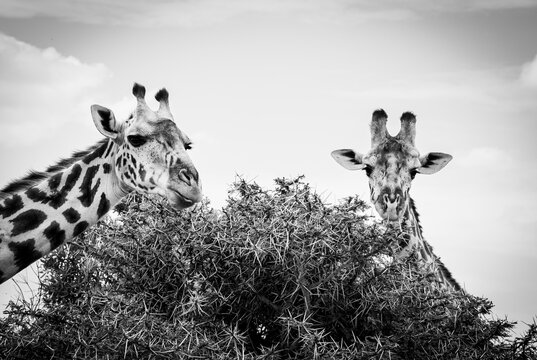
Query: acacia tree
[[276, 274]]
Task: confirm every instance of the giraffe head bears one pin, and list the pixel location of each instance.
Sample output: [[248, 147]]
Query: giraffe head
[[391, 164], [151, 154]]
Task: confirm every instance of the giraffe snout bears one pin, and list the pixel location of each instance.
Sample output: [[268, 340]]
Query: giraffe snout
[[184, 188], [391, 203], [187, 177]]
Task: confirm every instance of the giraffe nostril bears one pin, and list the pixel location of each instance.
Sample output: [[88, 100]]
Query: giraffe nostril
[[185, 176]]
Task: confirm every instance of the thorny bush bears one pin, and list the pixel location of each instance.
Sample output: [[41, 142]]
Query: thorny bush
[[275, 274]]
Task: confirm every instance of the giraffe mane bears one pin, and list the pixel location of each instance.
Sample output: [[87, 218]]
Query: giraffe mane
[[440, 264], [35, 177], [416, 214]]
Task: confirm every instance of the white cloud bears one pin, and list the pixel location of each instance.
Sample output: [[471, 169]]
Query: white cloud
[[205, 12], [529, 73], [40, 89]]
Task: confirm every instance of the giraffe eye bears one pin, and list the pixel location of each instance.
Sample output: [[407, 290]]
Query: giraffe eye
[[188, 146], [368, 169], [136, 140]]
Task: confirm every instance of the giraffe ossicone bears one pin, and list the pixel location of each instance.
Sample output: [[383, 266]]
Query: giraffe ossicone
[[145, 153], [391, 164]]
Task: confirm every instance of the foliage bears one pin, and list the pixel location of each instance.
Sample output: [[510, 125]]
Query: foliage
[[274, 275]]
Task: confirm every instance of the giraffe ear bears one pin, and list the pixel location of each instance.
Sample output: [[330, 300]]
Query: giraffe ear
[[105, 121], [349, 159], [433, 162]]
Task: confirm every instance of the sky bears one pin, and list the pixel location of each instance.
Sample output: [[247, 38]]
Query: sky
[[268, 89]]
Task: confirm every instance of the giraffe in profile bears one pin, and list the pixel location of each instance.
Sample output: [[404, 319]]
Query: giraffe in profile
[[146, 153], [391, 164]]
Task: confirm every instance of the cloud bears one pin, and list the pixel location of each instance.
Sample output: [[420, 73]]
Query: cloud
[[40, 89], [141, 13], [528, 75]]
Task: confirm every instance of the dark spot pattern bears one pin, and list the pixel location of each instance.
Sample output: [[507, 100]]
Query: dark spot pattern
[[107, 168], [142, 172], [104, 206], [24, 253], [55, 235], [96, 154], [54, 181], [87, 193], [108, 149], [26, 221], [71, 215], [33, 177], [37, 195], [61, 196], [57, 198], [131, 171], [11, 206], [80, 227]]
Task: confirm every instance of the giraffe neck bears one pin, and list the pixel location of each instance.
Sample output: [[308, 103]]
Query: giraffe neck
[[37, 218], [424, 251]]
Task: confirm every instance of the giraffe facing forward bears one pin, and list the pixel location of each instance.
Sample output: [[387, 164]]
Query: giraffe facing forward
[[146, 153], [391, 165]]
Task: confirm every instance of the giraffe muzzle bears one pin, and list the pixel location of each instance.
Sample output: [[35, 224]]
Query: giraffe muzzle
[[389, 204], [185, 190]]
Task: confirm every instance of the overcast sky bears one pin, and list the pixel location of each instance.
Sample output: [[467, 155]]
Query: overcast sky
[[267, 89]]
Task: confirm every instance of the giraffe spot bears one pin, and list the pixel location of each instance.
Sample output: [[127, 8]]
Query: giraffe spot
[[59, 198], [80, 227], [11, 206], [27, 220], [71, 215], [37, 195], [104, 206], [118, 161], [55, 235], [72, 178], [107, 168], [24, 253], [109, 149], [142, 172], [131, 171], [87, 193], [98, 153], [54, 181]]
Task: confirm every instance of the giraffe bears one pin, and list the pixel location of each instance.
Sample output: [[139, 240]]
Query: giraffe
[[146, 153], [391, 164]]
